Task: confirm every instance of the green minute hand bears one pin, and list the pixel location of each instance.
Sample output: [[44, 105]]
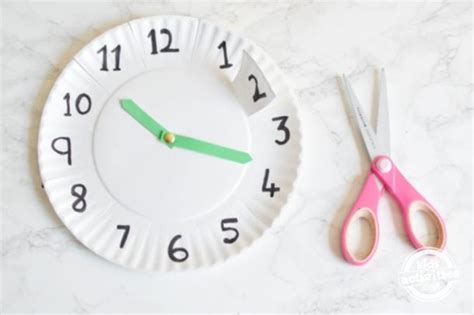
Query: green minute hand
[[143, 118], [208, 148]]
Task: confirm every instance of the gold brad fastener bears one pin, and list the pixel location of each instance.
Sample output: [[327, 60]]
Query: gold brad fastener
[[169, 138]]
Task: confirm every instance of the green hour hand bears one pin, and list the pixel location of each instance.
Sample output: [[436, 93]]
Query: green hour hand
[[143, 118], [208, 148]]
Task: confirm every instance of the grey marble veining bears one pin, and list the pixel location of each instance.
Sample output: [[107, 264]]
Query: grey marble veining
[[426, 49]]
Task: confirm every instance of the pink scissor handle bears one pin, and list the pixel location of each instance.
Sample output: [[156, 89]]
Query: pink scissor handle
[[365, 207], [408, 199]]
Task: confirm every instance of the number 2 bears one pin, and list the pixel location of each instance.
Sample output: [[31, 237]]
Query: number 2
[[256, 95]]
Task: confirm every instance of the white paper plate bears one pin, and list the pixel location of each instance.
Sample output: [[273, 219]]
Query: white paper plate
[[148, 206]]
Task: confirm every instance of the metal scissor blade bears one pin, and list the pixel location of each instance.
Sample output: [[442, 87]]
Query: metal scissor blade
[[383, 125], [367, 132]]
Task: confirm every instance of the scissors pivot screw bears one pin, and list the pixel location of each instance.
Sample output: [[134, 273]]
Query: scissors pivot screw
[[384, 165]]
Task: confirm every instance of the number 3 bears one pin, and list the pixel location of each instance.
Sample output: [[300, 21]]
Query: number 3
[[282, 127]]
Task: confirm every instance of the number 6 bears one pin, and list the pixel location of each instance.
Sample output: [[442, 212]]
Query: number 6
[[173, 250]]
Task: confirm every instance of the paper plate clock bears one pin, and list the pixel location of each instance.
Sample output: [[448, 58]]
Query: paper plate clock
[[169, 143]]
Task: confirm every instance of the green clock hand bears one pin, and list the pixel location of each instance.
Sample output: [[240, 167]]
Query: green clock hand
[[207, 148], [143, 118], [182, 141]]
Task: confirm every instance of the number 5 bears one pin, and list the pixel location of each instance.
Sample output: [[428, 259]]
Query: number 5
[[227, 228]]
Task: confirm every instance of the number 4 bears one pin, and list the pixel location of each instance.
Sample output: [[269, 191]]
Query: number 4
[[272, 189]]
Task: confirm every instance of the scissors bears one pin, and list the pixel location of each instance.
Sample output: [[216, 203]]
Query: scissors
[[383, 175]]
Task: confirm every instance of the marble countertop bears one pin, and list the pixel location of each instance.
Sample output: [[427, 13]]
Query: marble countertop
[[426, 49]]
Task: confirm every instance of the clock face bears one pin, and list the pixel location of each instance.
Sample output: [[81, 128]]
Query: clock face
[[169, 143]]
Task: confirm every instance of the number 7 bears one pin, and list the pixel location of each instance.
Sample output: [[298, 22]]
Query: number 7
[[126, 229]]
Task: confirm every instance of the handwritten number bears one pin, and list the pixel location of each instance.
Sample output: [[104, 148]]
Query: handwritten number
[[65, 149], [225, 227], [256, 95], [172, 251], [103, 51], [116, 51], [67, 98], [78, 103], [272, 189], [284, 128], [126, 230], [226, 63], [82, 98], [79, 191], [152, 37], [167, 48]]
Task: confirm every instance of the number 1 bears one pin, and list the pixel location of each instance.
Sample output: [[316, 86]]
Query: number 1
[[226, 64]]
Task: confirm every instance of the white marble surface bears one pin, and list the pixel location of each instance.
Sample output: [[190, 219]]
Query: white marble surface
[[426, 49]]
